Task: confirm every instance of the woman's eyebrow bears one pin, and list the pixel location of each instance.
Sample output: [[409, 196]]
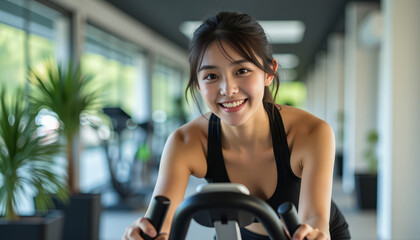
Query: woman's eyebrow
[[204, 67], [237, 62]]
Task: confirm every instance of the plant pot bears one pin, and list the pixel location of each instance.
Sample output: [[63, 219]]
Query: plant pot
[[82, 215], [48, 227], [366, 190]]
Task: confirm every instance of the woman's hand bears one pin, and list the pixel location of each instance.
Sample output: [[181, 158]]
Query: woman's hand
[[305, 231], [132, 232]]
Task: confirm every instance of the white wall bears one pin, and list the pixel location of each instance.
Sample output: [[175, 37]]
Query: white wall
[[399, 121]]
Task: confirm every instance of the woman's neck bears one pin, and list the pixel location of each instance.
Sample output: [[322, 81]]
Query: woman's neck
[[253, 134]]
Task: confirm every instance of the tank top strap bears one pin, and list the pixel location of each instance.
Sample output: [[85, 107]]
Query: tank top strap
[[287, 187], [282, 146], [216, 170]]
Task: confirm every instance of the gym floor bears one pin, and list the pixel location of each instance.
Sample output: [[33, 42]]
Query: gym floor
[[362, 223]]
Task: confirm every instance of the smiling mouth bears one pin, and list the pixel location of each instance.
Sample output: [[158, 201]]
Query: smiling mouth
[[233, 104]]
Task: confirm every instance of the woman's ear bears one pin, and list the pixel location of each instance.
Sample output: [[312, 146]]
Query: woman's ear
[[269, 78]]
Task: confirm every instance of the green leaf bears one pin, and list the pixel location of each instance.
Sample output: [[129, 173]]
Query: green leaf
[[67, 91], [27, 161]]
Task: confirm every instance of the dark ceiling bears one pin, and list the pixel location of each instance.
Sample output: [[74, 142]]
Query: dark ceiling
[[321, 17]]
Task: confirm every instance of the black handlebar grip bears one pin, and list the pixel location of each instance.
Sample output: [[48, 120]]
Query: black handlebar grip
[[158, 210], [289, 216]]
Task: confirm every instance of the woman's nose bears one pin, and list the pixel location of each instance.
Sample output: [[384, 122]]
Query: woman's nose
[[228, 87]]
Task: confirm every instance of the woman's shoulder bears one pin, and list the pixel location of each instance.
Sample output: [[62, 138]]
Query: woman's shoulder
[[193, 130], [189, 142], [307, 135], [300, 122]]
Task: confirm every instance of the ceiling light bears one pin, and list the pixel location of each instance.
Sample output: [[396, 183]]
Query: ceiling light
[[287, 61], [283, 31], [277, 31]]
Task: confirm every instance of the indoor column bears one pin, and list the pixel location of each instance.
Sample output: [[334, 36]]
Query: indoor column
[[360, 92], [399, 121]]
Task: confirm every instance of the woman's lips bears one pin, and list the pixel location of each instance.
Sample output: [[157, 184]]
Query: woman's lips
[[233, 106]]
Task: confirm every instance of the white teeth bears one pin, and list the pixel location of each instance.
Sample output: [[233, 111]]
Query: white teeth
[[233, 104]]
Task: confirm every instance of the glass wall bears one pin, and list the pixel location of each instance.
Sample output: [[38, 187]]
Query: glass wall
[[168, 104], [120, 70], [120, 67], [167, 92], [29, 33]]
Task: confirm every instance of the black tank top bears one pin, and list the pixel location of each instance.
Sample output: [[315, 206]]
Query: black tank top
[[288, 184]]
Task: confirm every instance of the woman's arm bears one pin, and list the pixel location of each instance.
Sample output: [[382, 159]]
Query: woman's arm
[[174, 172], [175, 169], [317, 153]]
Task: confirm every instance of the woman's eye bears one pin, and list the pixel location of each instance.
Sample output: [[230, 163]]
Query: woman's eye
[[242, 71], [210, 76]]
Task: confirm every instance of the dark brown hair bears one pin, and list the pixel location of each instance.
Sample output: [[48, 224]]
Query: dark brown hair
[[242, 33]]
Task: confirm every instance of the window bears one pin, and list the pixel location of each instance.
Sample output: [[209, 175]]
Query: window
[[168, 111], [29, 33], [166, 88], [120, 67]]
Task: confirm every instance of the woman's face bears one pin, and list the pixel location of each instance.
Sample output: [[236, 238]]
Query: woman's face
[[232, 89]]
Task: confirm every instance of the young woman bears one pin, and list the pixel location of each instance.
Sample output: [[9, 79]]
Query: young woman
[[280, 153]]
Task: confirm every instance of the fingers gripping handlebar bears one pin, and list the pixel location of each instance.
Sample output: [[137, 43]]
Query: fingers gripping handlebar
[[288, 214], [158, 210]]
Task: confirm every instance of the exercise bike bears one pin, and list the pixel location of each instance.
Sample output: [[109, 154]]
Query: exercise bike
[[226, 207]]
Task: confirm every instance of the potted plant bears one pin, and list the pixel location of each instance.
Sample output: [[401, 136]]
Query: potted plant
[[366, 183], [70, 93], [27, 164]]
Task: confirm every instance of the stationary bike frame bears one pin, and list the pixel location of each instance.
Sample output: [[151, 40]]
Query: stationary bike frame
[[227, 207]]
